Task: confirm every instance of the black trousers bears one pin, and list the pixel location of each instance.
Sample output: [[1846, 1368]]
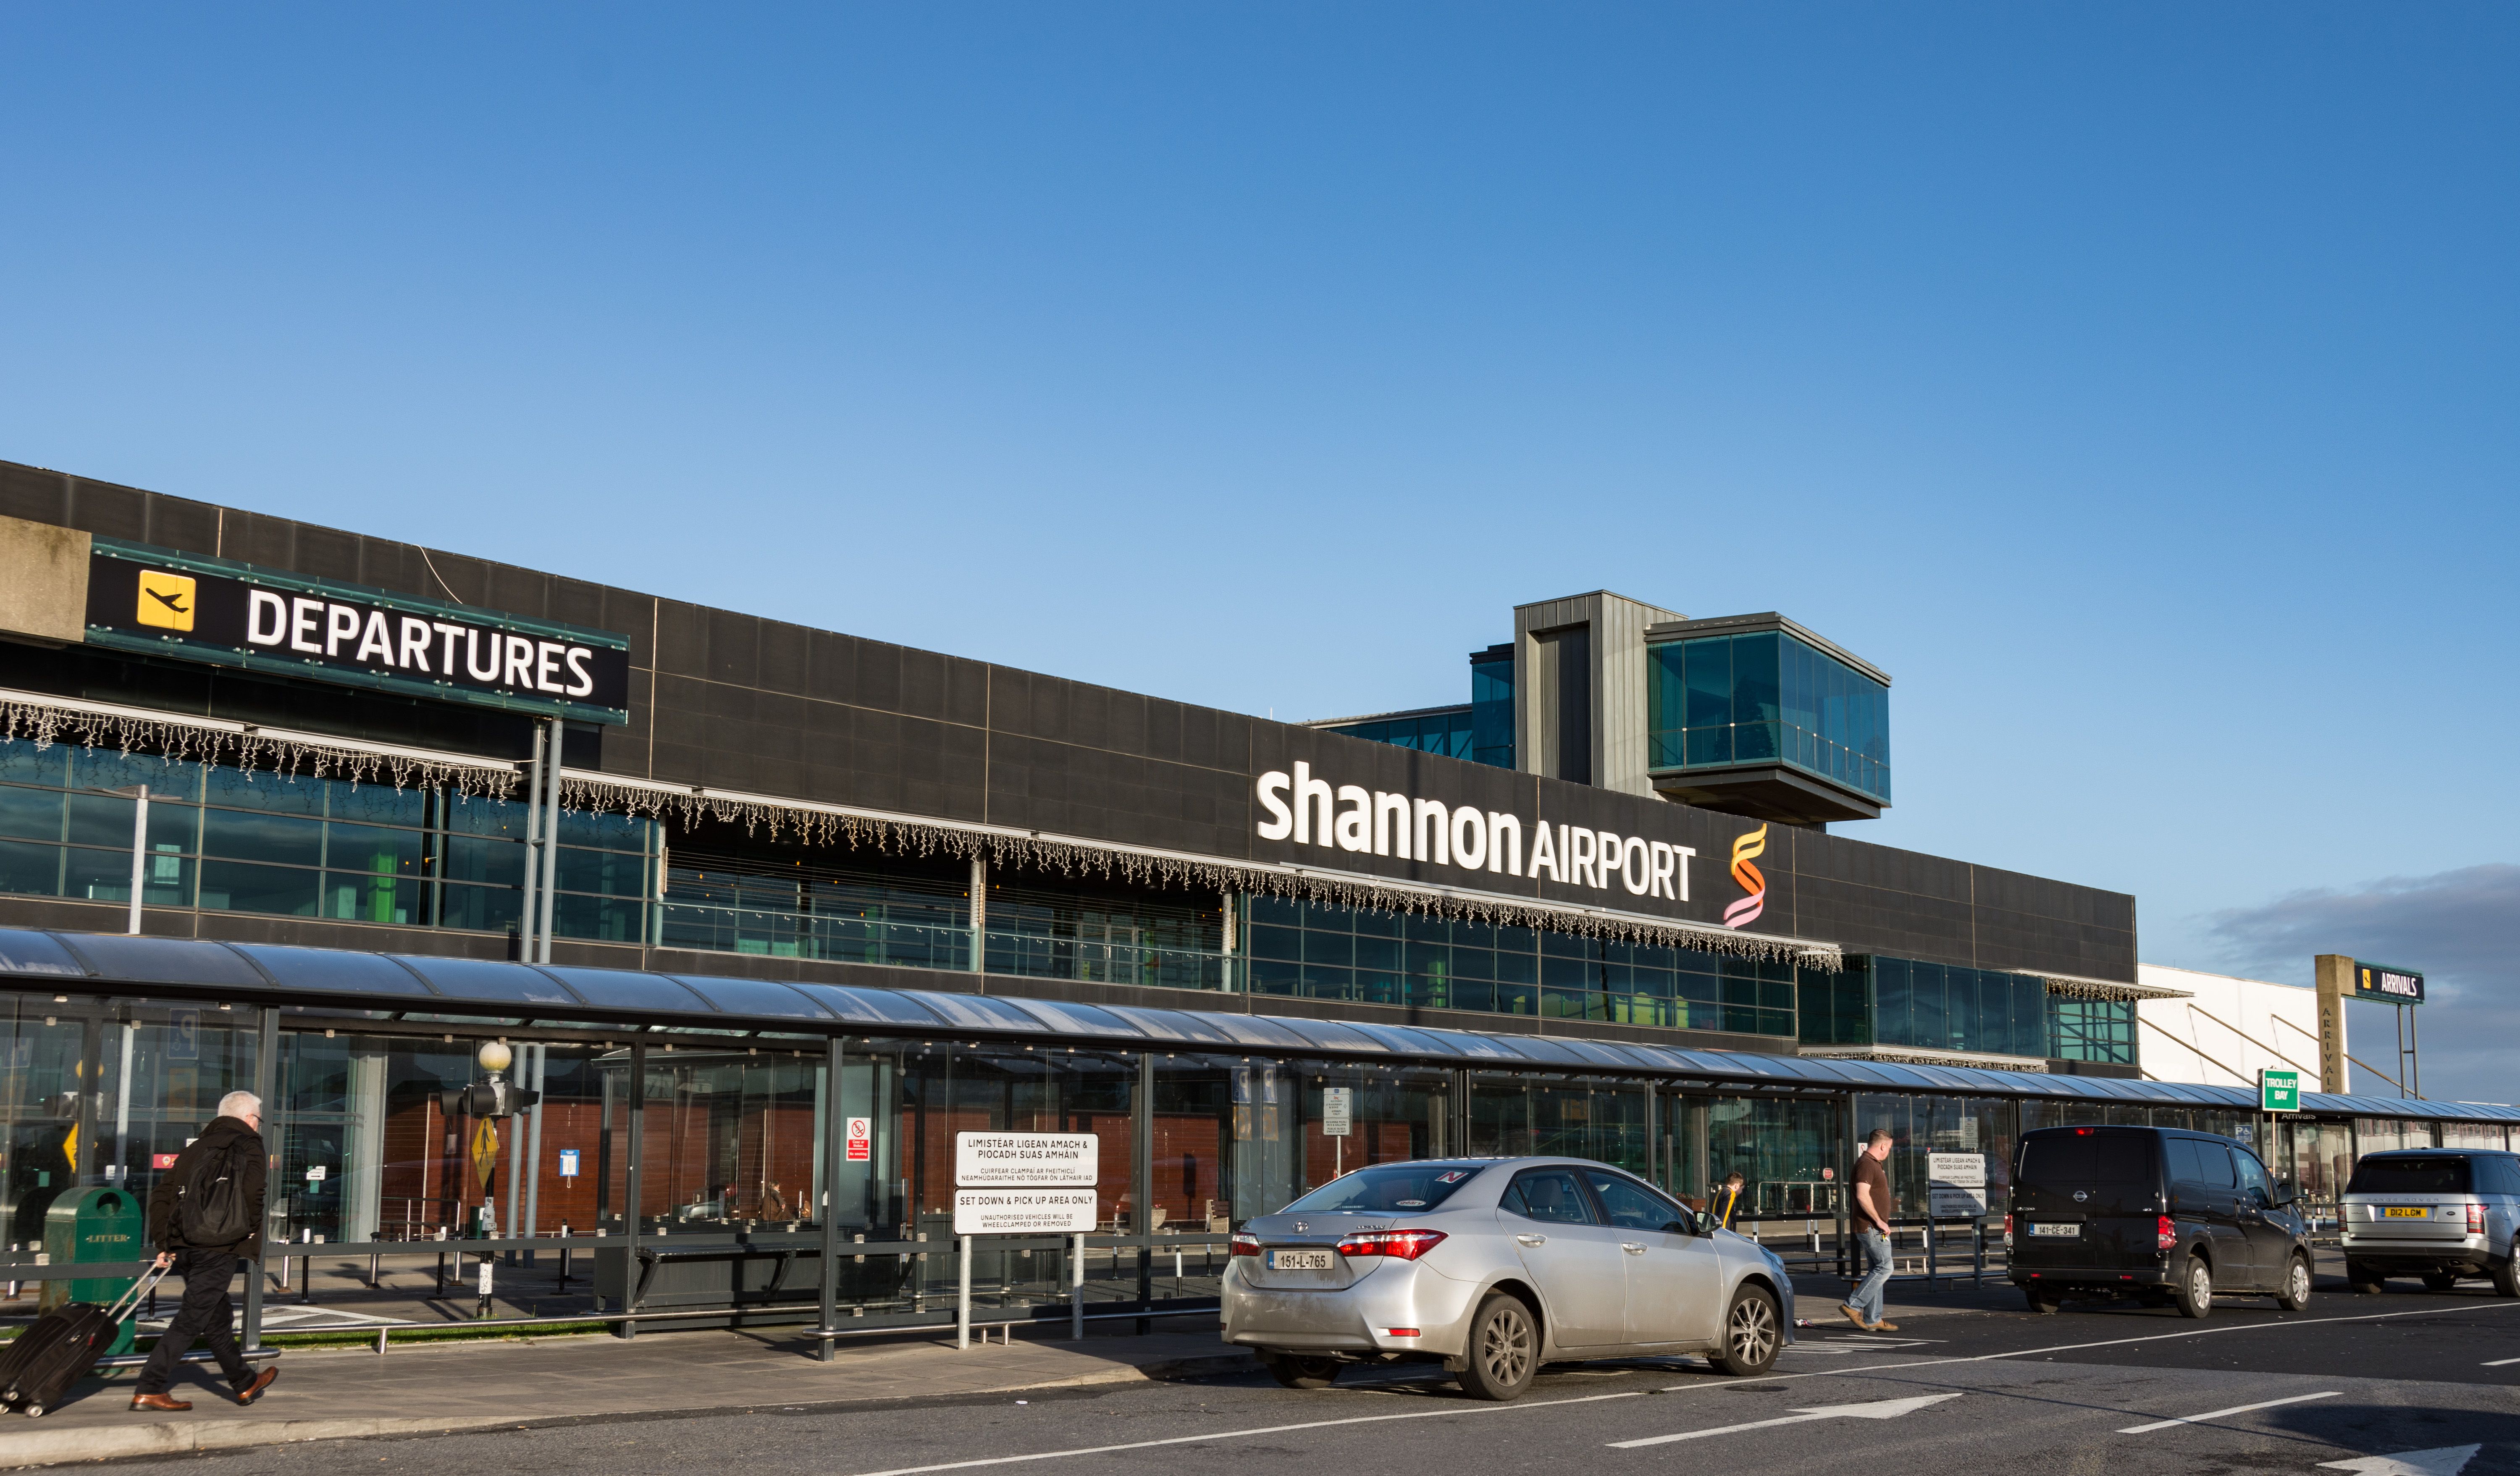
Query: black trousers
[[204, 1316]]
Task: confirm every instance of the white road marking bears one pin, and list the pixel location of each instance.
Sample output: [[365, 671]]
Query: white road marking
[[1887, 1408], [2448, 1460], [1913, 1363], [1988, 1357], [2496, 1364], [1310, 1424], [2198, 1419]]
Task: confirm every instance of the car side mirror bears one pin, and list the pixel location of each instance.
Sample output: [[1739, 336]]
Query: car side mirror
[[1706, 1225], [2282, 1195]]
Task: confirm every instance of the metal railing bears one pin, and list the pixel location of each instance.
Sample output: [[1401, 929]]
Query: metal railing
[[928, 1286]]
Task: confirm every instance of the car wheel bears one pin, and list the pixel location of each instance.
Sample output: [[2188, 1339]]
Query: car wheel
[[2296, 1285], [1504, 1350], [2440, 1281], [2197, 1288], [1751, 1336], [2363, 1279], [2042, 1302], [1296, 1371]]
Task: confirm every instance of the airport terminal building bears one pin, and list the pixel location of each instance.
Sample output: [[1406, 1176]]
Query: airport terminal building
[[773, 911]]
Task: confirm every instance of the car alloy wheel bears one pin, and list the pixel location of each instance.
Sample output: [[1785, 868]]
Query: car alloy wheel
[[2296, 1286], [1504, 1350], [1750, 1334]]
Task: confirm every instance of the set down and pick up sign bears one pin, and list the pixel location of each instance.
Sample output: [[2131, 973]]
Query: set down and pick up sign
[[1025, 1183]]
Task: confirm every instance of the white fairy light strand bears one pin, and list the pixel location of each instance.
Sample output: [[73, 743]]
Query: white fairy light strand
[[247, 750], [897, 836]]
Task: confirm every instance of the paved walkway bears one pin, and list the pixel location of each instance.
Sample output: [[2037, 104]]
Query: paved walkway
[[335, 1394]]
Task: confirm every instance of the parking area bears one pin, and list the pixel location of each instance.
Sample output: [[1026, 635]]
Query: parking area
[[2409, 1381]]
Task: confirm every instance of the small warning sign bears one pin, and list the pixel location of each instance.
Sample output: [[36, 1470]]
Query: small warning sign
[[861, 1140]]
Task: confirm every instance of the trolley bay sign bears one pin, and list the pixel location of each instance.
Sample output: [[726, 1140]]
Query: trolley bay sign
[[1025, 1183]]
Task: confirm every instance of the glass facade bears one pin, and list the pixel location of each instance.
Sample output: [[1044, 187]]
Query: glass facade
[[1938, 1006], [1492, 740], [229, 840], [1722, 700], [1445, 730], [1482, 732], [158, 1068], [1313, 950]]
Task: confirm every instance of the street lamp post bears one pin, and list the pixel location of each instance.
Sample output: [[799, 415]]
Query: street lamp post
[[138, 794]]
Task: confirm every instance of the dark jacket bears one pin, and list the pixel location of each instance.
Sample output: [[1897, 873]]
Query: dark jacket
[[243, 1148]]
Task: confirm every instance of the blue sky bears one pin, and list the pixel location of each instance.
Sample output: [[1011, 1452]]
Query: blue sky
[[2134, 383]]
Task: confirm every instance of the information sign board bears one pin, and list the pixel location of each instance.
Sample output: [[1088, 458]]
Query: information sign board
[[1956, 1184], [2279, 1090], [1338, 1111], [1026, 1161], [1024, 1212]]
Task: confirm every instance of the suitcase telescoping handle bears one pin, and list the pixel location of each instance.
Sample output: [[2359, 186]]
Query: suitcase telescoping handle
[[129, 1302]]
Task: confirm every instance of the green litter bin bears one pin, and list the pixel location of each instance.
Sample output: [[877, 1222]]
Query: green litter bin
[[103, 1223]]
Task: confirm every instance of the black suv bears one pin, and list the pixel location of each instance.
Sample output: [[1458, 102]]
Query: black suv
[[2171, 1216]]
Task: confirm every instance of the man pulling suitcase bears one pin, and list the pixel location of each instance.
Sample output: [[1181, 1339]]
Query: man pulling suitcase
[[204, 1217]]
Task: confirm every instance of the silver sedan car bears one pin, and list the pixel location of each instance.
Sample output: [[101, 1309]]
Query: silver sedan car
[[1494, 1266]]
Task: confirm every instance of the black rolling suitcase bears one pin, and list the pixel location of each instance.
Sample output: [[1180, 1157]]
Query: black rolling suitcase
[[38, 1367]]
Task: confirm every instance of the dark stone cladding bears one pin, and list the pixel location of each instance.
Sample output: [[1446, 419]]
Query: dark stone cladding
[[734, 701]]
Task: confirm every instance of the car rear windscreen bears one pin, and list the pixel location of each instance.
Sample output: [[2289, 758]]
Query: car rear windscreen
[[1388, 1189], [2410, 1176], [2111, 1169]]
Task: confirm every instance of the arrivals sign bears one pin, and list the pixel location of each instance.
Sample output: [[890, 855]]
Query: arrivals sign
[[235, 614], [2389, 986]]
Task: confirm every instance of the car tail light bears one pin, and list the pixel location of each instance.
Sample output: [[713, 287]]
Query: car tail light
[[2164, 1232], [1400, 1332], [2476, 1219], [1407, 1244], [1245, 1244]]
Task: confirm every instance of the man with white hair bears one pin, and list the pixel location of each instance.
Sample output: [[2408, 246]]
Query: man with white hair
[[204, 1217]]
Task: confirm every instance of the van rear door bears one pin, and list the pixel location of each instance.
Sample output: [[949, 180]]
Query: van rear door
[[2083, 1199]]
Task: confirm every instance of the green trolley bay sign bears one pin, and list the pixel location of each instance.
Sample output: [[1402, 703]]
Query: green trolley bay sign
[[2279, 1090]]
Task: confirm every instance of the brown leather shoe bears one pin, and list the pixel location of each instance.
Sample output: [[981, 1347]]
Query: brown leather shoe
[[1884, 1327], [160, 1402], [254, 1389]]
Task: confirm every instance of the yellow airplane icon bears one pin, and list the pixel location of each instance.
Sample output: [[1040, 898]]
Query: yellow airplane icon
[[165, 600]]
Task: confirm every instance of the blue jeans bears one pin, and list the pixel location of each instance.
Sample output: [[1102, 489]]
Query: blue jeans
[[1866, 1296]]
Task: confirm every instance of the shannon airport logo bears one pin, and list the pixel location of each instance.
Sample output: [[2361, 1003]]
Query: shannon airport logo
[[1746, 848]]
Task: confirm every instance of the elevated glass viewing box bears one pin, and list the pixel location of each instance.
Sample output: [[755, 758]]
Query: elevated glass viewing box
[[1755, 715]]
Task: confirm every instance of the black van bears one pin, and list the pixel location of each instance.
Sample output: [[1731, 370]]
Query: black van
[[2171, 1216]]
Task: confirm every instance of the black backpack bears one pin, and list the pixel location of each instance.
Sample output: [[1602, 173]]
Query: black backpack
[[210, 1208]]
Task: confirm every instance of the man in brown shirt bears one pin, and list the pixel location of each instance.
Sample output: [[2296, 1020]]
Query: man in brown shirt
[[1870, 1214]]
